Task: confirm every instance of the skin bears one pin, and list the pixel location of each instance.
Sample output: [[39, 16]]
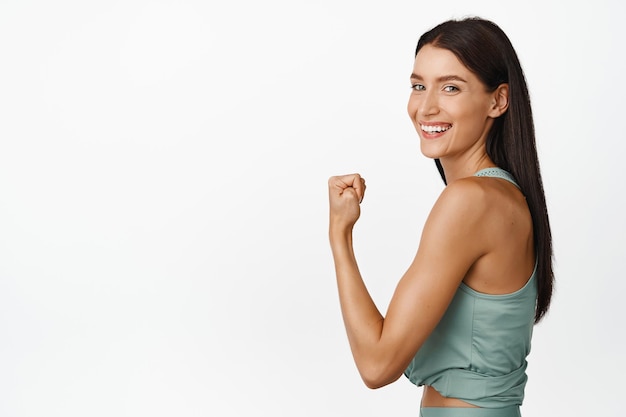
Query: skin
[[479, 230]]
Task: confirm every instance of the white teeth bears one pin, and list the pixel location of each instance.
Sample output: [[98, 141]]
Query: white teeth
[[435, 129]]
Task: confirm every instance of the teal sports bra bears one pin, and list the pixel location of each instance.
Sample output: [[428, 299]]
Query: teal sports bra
[[477, 352]]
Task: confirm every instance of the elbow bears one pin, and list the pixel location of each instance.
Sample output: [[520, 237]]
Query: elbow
[[373, 384], [377, 377], [380, 367]]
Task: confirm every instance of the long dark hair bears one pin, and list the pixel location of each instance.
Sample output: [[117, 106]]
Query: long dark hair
[[486, 51]]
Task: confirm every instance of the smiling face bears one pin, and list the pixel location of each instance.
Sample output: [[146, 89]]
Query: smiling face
[[450, 107]]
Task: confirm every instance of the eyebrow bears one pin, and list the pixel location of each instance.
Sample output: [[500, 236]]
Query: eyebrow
[[440, 79]]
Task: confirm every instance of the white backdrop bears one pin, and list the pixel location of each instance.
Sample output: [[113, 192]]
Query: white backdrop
[[163, 208]]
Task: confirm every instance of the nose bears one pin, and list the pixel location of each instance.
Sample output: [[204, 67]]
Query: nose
[[428, 104]]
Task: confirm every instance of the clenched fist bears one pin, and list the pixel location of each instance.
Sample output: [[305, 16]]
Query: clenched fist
[[345, 193]]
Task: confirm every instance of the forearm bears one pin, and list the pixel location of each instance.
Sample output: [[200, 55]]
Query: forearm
[[363, 321]]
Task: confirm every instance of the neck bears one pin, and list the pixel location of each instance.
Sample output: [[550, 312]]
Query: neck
[[455, 169]]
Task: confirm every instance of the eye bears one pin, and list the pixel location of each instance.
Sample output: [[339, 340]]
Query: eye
[[418, 87], [450, 89]]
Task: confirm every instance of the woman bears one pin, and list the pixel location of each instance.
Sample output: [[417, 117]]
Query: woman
[[460, 320]]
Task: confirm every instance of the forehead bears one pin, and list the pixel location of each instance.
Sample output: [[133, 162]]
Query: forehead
[[435, 62]]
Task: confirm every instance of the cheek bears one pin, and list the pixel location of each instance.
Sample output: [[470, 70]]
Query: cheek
[[412, 107]]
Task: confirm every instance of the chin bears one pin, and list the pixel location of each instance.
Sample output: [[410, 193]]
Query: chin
[[428, 152]]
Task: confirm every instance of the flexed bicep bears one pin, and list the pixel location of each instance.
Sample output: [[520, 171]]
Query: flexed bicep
[[447, 250]]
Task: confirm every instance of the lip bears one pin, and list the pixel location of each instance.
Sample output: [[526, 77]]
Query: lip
[[433, 135]]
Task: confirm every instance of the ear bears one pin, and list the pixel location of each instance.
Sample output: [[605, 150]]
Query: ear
[[500, 101]]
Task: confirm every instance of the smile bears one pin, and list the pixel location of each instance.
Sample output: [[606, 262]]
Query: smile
[[435, 129]]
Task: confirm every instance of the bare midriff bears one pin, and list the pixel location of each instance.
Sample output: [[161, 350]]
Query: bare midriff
[[432, 398]]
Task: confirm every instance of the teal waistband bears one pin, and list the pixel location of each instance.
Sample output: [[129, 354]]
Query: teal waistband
[[512, 411]]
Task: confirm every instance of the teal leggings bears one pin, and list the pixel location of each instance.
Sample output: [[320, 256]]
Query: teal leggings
[[512, 411]]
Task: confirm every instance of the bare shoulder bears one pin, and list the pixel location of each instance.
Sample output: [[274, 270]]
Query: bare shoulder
[[455, 225], [478, 196], [493, 217], [463, 201], [477, 211]]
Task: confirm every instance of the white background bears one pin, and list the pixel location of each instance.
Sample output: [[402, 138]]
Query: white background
[[163, 207]]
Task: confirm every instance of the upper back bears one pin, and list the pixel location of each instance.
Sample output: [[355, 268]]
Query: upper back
[[477, 352], [507, 235]]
